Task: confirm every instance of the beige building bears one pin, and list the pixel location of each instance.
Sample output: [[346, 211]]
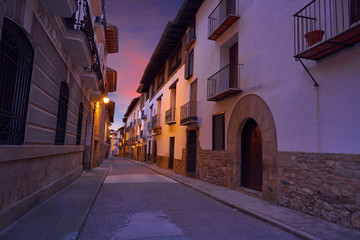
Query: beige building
[[53, 77]]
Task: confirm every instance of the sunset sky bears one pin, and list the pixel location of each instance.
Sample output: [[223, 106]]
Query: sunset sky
[[140, 24]]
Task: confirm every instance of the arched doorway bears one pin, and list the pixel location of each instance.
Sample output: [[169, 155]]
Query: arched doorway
[[255, 108], [251, 155]]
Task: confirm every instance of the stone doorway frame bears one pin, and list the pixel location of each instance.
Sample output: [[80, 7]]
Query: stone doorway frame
[[252, 106]]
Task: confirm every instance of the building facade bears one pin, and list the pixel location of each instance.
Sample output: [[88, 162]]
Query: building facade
[[260, 97], [52, 80]]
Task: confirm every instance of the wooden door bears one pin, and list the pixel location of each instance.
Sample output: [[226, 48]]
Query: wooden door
[[171, 152], [149, 158], [251, 157], [191, 151], [233, 66]]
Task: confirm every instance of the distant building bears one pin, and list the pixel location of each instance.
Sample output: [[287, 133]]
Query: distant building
[[227, 103], [53, 77]]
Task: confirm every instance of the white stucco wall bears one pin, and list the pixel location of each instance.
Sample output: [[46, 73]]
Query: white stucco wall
[[309, 119]]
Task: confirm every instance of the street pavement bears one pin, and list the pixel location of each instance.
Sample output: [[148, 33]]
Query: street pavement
[[126, 199], [138, 203]]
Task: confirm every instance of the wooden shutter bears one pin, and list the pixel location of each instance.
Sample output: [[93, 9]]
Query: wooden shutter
[[62, 114]]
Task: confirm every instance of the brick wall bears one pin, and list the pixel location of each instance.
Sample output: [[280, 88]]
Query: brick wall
[[320, 184], [210, 166]]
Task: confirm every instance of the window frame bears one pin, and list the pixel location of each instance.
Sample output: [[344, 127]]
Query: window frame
[[221, 133]]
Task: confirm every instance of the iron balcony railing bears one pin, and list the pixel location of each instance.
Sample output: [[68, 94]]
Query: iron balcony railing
[[334, 23], [155, 121], [223, 16], [190, 36], [170, 116], [143, 115], [224, 83], [188, 113], [81, 21]]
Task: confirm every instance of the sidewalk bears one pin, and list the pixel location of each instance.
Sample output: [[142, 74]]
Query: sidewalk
[[63, 214], [303, 225]]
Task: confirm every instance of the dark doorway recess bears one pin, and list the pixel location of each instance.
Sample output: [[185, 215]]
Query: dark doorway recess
[[171, 152], [149, 156], [251, 156], [191, 151]]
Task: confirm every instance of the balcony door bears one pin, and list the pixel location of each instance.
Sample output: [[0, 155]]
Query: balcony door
[[233, 66]]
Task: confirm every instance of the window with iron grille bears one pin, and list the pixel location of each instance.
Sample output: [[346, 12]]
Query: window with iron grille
[[16, 60], [189, 64], [79, 125], [218, 132], [62, 114]]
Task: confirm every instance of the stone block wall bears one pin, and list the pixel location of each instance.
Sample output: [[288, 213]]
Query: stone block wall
[[31, 181], [321, 184], [162, 161], [211, 166]]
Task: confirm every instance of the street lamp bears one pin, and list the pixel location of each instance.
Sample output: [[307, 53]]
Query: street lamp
[[106, 99]]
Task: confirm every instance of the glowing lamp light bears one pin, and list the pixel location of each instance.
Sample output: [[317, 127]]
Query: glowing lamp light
[[106, 99]]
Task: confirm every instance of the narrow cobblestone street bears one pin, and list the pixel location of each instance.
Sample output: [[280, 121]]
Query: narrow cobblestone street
[[136, 203]]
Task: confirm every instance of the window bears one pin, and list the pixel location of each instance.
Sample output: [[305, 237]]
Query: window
[[79, 126], [355, 11], [175, 60], [218, 131], [16, 60], [161, 79], [62, 114], [189, 64]]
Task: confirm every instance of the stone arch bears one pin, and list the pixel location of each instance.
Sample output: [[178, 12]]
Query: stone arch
[[252, 106]]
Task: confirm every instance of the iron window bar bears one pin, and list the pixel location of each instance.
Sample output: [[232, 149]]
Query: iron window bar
[[16, 57]]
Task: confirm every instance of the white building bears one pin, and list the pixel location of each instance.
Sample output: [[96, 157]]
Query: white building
[[261, 121]]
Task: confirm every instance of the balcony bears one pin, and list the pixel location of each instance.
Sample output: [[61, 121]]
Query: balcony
[[223, 16], [170, 116], [100, 28], [143, 115], [80, 35], [190, 37], [155, 123], [324, 27], [224, 83], [80, 41], [188, 114]]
